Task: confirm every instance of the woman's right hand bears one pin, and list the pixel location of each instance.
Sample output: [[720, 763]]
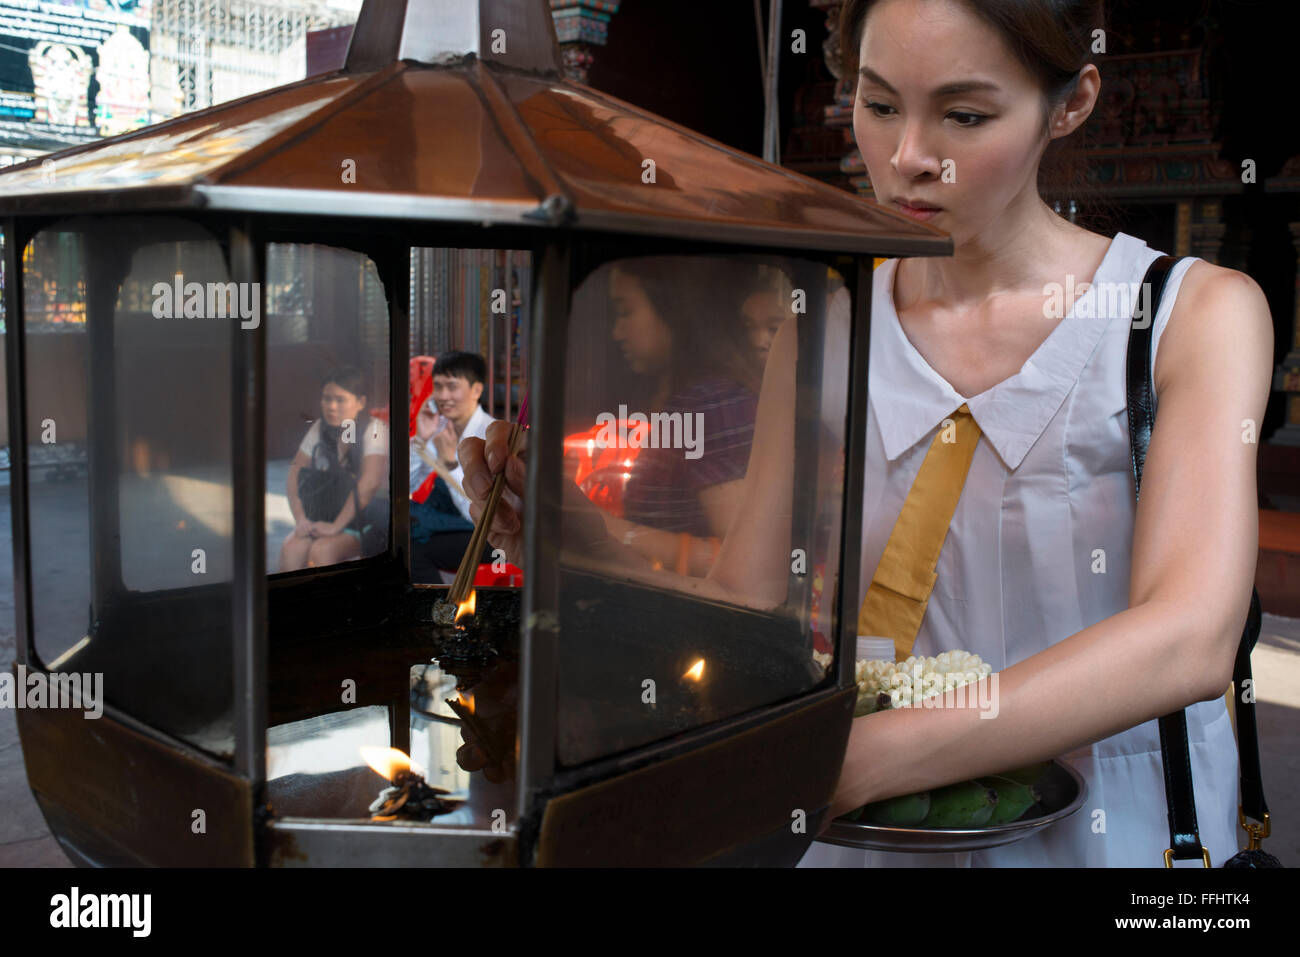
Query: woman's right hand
[[482, 460], [303, 528]]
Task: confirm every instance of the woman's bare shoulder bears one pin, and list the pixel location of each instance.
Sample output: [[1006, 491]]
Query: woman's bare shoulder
[[1216, 309]]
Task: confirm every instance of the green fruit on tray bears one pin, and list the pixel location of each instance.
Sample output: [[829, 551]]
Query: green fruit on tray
[[990, 801], [907, 810], [968, 804], [1014, 799]]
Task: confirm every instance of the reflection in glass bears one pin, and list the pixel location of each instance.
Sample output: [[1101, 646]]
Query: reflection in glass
[[704, 450], [314, 766]]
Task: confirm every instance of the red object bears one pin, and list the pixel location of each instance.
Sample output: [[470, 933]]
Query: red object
[[421, 378], [602, 471], [512, 577]]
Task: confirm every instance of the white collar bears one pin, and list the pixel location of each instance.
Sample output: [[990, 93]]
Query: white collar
[[909, 399]]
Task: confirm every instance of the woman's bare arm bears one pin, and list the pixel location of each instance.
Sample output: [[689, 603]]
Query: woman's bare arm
[[755, 558], [300, 462], [1194, 549], [373, 468]]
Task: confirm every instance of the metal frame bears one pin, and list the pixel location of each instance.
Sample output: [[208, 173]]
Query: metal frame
[[553, 285], [540, 776], [558, 269], [16, 235], [247, 263], [860, 285]]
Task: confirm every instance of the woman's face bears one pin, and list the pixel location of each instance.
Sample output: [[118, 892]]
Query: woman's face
[[337, 405], [764, 312], [645, 339], [973, 152]]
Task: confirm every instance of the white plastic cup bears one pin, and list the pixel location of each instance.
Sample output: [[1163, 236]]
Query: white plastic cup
[[875, 648]]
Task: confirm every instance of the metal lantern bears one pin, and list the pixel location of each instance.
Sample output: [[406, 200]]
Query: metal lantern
[[173, 299]]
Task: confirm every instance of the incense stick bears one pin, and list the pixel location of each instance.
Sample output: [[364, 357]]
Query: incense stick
[[440, 469], [469, 563]]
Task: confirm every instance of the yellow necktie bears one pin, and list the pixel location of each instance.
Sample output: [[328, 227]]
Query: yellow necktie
[[900, 589]]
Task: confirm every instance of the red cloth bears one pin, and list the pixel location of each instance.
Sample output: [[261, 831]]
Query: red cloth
[[421, 375]]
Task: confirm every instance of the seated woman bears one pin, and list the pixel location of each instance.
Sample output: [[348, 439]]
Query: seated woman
[[681, 323], [334, 477]]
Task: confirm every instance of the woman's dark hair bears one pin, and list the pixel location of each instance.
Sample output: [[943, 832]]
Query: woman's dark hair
[[349, 379], [1053, 39], [698, 298]]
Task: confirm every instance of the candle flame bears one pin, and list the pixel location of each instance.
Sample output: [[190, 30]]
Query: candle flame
[[696, 671], [467, 702], [466, 607], [386, 762]]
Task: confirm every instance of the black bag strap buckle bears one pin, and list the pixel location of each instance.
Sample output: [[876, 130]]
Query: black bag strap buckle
[[1169, 856], [1254, 832]]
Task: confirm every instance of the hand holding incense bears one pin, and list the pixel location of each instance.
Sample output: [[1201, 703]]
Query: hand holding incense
[[445, 610]]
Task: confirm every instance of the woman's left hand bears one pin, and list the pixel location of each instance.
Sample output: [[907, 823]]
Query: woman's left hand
[[323, 529]]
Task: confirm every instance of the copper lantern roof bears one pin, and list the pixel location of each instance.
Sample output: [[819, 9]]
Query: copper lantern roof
[[457, 110]]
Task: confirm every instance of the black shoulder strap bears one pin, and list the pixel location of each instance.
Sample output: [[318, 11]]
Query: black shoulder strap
[[1184, 839]]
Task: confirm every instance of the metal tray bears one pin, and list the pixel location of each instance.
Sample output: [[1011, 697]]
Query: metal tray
[[1064, 791]]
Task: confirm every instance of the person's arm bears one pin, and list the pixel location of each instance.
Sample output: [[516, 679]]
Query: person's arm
[[300, 462], [754, 564], [1194, 551], [419, 468], [373, 469], [426, 423], [666, 548]]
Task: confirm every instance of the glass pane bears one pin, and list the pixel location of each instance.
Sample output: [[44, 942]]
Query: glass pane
[[453, 721], [702, 493], [469, 313], [128, 401], [54, 305], [314, 766], [327, 436]]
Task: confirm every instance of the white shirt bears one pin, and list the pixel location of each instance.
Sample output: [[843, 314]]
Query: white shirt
[[1049, 484], [373, 442], [476, 428]]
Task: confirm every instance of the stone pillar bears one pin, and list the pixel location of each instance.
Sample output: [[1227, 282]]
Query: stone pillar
[[1208, 228], [581, 26], [1287, 378]]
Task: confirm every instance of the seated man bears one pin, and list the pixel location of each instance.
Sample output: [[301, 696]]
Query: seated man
[[441, 526]]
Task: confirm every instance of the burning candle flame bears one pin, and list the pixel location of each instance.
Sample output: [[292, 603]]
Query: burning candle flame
[[466, 607], [696, 671], [386, 762], [467, 702]]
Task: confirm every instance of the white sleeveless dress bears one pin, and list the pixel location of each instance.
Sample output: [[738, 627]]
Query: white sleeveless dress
[[1049, 484]]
